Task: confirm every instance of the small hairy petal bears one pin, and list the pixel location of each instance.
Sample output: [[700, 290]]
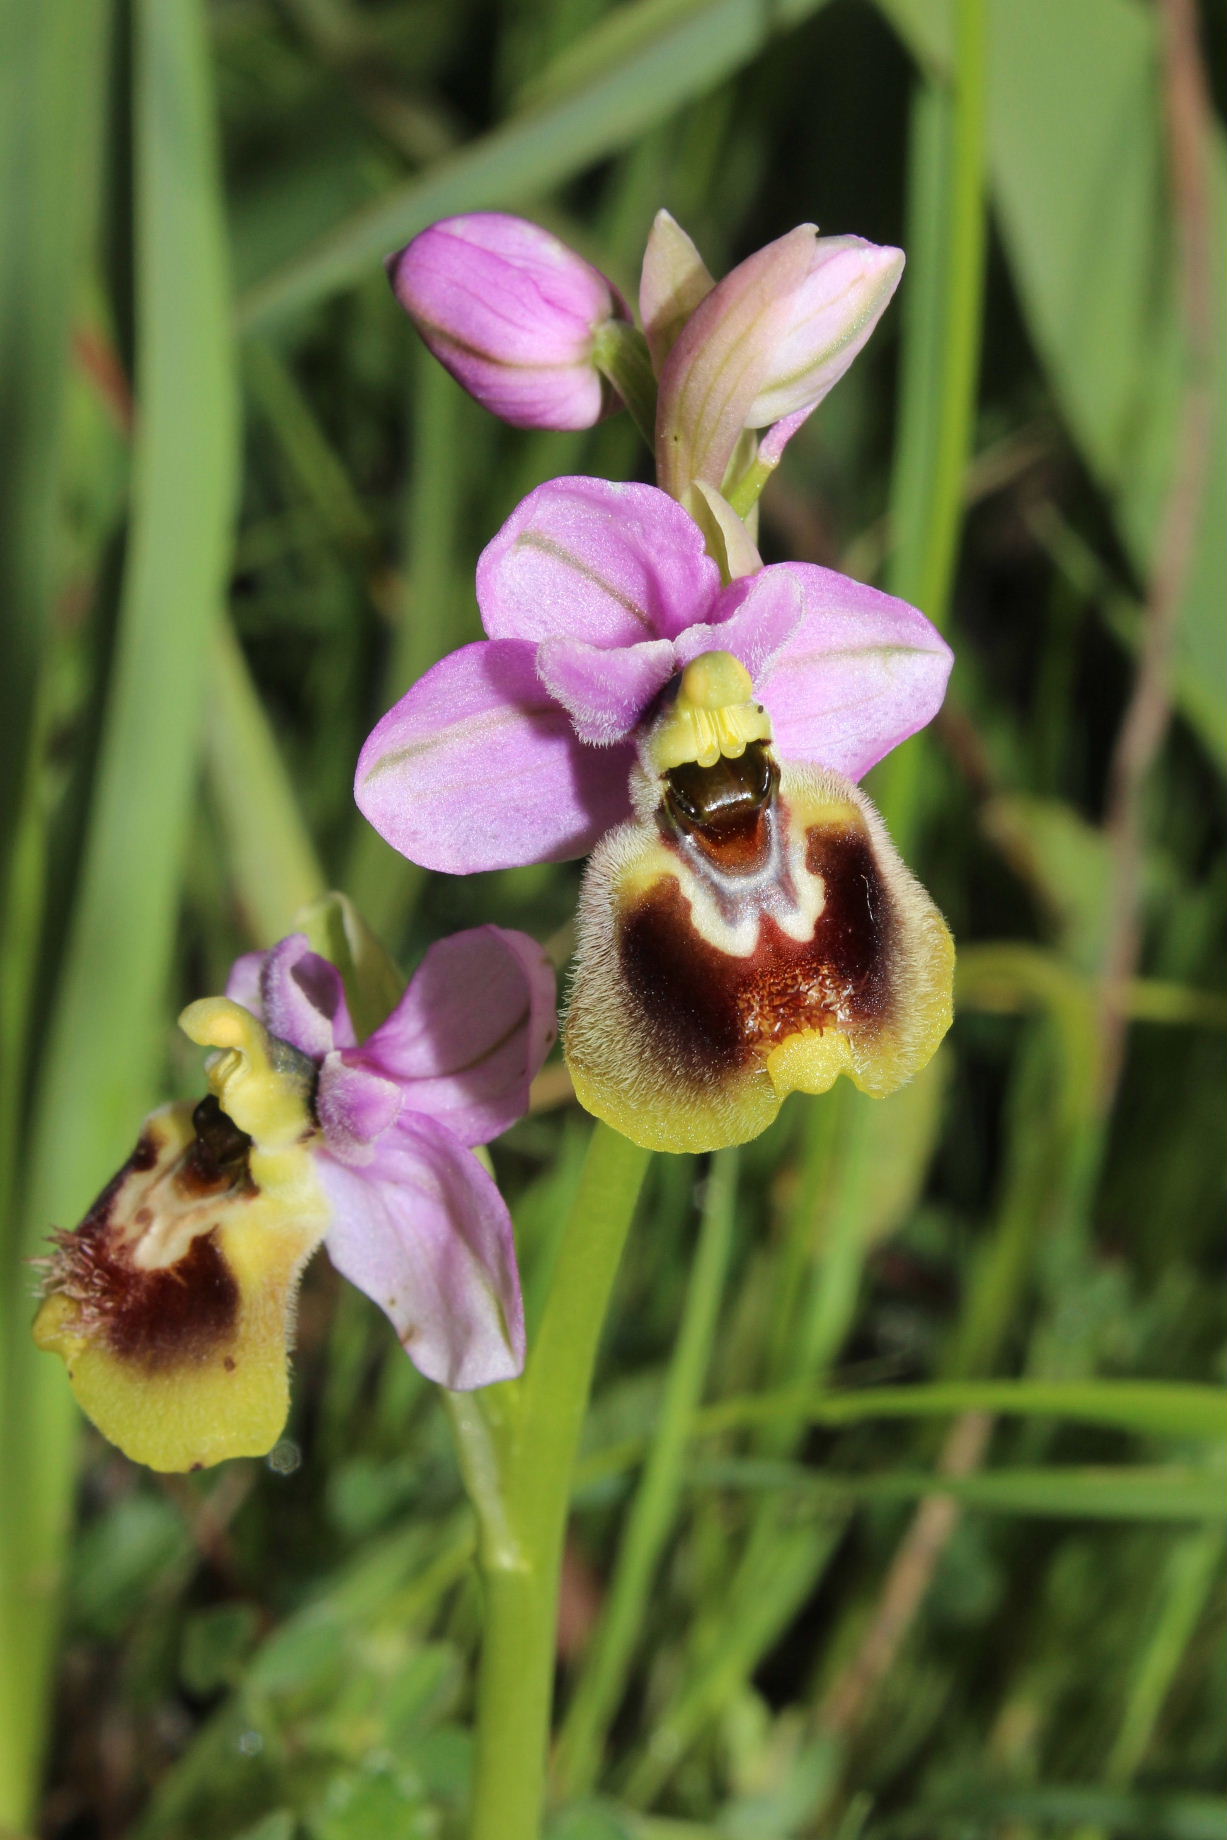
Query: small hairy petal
[[424, 1232], [477, 767], [355, 1105], [860, 673], [243, 984], [603, 562], [605, 692], [302, 999], [471, 1031], [756, 617]]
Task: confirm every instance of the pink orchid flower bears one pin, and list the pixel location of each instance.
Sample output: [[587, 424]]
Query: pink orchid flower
[[703, 738], [172, 1304]]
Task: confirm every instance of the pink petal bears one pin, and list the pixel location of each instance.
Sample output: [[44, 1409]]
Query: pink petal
[[477, 767], [243, 984], [600, 561], [605, 692], [302, 999], [471, 1031], [833, 313], [424, 1232], [860, 673], [355, 1105], [756, 617], [777, 437]]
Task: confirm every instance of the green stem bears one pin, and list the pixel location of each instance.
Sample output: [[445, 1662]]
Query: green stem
[[518, 1455], [655, 1506], [620, 353]]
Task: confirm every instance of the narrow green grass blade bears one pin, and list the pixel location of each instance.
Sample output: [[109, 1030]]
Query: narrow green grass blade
[[1157, 1815], [652, 1513], [52, 77], [1150, 1408], [945, 234], [104, 1041], [51, 70], [690, 50], [271, 858], [1066, 1493]]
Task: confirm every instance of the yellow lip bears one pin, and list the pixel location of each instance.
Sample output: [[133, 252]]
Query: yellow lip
[[709, 984]]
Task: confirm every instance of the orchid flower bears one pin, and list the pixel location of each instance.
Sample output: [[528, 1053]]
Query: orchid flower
[[514, 315], [746, 926], [173, 1302]]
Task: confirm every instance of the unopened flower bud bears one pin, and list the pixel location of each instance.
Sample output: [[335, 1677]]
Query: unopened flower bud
[[765, 346], [831, 315], [513, 314]]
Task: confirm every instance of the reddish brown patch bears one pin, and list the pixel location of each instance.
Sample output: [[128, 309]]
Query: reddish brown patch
[[176, 1315], [157, 1319], [146, 1153], [724, 808], [739, 847], [709, 1014]]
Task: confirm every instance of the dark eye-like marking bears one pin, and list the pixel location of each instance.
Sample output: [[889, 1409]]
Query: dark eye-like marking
[[726, 794], [217, 1159]]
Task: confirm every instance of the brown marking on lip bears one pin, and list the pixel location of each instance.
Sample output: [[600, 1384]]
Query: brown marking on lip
[[738, 847], [167, 1316], [176, 1316], [709, 1014], [146, 1153]]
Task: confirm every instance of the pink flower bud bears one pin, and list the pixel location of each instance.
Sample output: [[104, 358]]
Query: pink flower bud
[[831, 316], [765, 346], [512, 313]]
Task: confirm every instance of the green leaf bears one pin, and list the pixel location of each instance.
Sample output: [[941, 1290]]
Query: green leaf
[[1082, 197], [666, 56], [107, 1029]]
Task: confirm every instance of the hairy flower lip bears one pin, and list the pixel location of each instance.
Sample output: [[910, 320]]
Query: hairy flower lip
[[702, 995]]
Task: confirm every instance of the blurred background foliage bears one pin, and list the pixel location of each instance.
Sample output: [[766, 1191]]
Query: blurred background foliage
[[902, 1512]]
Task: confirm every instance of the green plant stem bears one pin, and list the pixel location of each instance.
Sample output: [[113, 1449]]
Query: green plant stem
[[655, 1506], [518, 1448], [620, 353]]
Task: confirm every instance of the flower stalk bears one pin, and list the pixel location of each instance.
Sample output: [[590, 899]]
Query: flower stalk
[[620, 353], [518, 1446]]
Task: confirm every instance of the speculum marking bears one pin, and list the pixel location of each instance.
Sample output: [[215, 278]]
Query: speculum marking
[[710, 1013]]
